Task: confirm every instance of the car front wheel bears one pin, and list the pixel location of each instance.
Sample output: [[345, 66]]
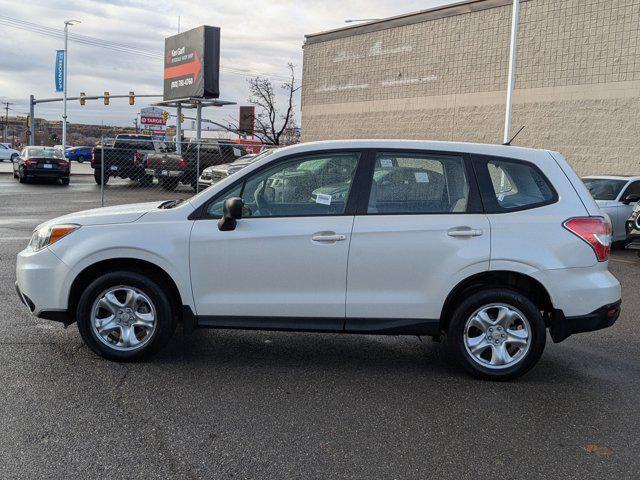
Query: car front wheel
[[125, 316], [497, 334]]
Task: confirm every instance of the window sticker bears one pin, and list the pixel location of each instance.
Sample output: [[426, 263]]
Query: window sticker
[[236, 152], [386, 163], [323, 199], [422, 177]]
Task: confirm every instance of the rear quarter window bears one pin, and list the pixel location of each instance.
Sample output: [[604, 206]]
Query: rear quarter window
[[510, 185]]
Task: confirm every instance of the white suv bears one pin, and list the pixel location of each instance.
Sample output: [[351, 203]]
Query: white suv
[[488, 245]]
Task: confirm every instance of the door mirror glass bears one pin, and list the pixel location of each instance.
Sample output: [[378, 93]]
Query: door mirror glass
[[232, 212]]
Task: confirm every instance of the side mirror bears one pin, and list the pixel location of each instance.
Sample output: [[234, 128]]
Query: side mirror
[[231, 213], [632, 198]]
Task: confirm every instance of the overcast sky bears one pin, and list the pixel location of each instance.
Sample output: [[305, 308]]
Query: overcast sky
[[257, 36]]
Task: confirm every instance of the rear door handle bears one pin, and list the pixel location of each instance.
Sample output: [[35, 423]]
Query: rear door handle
[[328, 237], [464, 232]]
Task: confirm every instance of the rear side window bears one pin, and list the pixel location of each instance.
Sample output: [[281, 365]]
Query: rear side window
[[511, 185], [408, 183]]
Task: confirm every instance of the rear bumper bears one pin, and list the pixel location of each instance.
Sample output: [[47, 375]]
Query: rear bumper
[[562, 327], [163, 173]]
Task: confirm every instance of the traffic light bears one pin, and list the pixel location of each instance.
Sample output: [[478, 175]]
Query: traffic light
[[181, 117], [106, 98], [82, 100], [132, 98], [28, 121], [165, 115]]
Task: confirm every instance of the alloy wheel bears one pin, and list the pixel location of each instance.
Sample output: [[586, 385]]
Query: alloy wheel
[[497, 336], [123, 318]]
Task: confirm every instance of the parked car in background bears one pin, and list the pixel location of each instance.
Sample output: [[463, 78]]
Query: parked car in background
[[171, 168], [8, 153], [212, 175], [41, 162], [125, 158], [616, 196], [633, 230], [79, 154], [489, 245]]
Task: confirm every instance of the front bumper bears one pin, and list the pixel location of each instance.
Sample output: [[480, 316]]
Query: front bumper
[[562, 327], [40, 282]]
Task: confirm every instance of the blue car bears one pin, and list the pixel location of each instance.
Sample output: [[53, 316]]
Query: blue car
[[79, 154]]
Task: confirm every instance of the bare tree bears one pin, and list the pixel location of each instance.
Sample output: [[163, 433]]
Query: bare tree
[[273, 125]]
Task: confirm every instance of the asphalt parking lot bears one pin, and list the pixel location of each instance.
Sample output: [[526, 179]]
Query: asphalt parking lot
[[231, 404]]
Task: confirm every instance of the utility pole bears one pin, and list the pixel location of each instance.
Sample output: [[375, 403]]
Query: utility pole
[[5, 136], [512, 70], [66, 71], [135, 122]]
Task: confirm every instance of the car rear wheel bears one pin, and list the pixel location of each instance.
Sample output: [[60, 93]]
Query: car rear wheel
[[22, 177], [97, 176], [125, 316], [64, 181], [146, 180], [497, 334], [169, 183]]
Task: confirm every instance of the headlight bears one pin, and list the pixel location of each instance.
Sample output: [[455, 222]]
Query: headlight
[[49, 235]]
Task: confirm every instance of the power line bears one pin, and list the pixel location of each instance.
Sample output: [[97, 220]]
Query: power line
[[115, 46]]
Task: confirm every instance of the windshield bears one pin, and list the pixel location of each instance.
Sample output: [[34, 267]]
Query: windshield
[[44, 152], [604, 188]]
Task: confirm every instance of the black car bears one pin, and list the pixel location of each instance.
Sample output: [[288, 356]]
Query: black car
[[125, 157], [41, 162]]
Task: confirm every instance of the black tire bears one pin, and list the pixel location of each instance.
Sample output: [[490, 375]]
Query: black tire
[[513, 299], [64, 181], [169, 184], [146, 180], [97, 176], [13, 157], [80, 158], [165, 321], [21, 176]]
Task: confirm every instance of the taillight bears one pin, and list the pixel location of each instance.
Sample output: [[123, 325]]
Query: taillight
[[596, 231], [148, 162], [93, 155], [63, 164], [182, 164], [136, 158]]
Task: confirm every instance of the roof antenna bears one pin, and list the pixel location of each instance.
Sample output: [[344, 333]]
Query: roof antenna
[[508, 144]]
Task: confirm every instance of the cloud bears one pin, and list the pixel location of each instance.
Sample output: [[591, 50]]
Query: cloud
[[256, 36]]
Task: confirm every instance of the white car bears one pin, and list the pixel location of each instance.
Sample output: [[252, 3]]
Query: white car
[[8, 153], [616, 196], [489, 245]]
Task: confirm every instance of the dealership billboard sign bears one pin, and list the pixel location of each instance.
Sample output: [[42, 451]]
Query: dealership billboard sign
[[153, 122], [192, 64]]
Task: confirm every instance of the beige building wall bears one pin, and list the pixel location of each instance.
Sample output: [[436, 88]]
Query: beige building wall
[[442, 75]]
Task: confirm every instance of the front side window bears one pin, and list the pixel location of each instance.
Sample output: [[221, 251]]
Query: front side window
[[407, 183], [516, 185], [633, 189], [604, 188], [311, 185]]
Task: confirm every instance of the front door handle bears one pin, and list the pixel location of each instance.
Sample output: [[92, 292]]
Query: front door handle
[[328, 237], [464, 232]]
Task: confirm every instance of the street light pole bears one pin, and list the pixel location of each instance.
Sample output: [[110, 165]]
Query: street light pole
[[512, 68], [64, 90]]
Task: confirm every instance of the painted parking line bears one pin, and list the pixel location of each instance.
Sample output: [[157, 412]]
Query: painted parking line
[[623, 261], [11, 239]]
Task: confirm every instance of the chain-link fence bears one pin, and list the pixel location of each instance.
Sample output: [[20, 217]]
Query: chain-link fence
[[138, 168]]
